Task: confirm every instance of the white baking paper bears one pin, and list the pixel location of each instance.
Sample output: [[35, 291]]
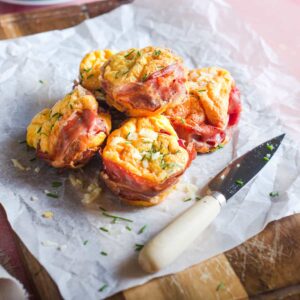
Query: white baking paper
[[38, 70]]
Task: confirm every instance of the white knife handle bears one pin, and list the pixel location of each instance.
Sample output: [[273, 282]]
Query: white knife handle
[[166, 246]]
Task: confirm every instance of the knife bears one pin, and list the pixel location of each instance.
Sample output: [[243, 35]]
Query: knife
[[174, 239]]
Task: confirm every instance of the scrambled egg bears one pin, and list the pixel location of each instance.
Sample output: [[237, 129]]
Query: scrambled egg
[[212, 86], [137, 64], [90, 68], [46, 130], [147, 147]]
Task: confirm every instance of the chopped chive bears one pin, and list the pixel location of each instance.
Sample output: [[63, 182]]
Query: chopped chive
[[85, 242], [103, 253], [32, 159], [182, 120], [90, 76], [220, 146], [198, 198], [266, 158], [142, 229], [139, 247], [239, 182], [129, 53], [58, 115], [87, 70], [116, 217], [156, 52], [39, 130], [128, 228], [103, 287], [138, 53], [103, 229], [52, 195], [102, 208], [71, 106], [144, 78], [41, 81], [270, 147], [128, 134], [200, 91], [221, 286], [56, 184], [22, 142], [274, 194], [188, 199]]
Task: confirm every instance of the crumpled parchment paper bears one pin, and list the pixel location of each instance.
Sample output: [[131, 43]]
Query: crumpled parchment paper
[[38, 70]]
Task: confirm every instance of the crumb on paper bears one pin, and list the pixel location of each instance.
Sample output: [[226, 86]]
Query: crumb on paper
[[37, 170], [93, 191], [48, 243], [47, 214], [33, 198], [17, 164], [76, 182]]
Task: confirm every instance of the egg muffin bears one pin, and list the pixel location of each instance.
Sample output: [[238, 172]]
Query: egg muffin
[[71, 132], [90, 69], [143, 159], [211, 111], [144, 82]]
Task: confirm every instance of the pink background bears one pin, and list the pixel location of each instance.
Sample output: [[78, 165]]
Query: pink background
[[278, 21]]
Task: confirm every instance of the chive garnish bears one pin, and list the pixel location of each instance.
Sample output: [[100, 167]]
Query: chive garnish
[[198, 198], [188, 199], [103, 229], [220, 146], [182, 120], [139, 247], [220, 286], [138, 53], [274, 194], [52, 195], [200, 91], [128, 134], [129, 53], [270, 147], [142, 229], [102, 208], [144, 78], [239, 182], [90, 76], [156, 52], [58, 115], [39, 130], [87, 70], [128, 228], [104, 286], [85, 242], [103, 253], [116, 217], [71, 106], [41, 81], [56, 184]]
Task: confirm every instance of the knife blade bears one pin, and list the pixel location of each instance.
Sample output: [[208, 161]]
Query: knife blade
[[175, 238], [243, 169]]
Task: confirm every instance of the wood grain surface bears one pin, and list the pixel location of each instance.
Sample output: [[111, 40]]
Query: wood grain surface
[[265, 267]]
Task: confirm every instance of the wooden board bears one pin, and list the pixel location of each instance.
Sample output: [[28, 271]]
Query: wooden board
[[265, 267]]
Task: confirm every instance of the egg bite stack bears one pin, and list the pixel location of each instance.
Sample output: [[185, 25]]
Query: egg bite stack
[[165, 115]]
